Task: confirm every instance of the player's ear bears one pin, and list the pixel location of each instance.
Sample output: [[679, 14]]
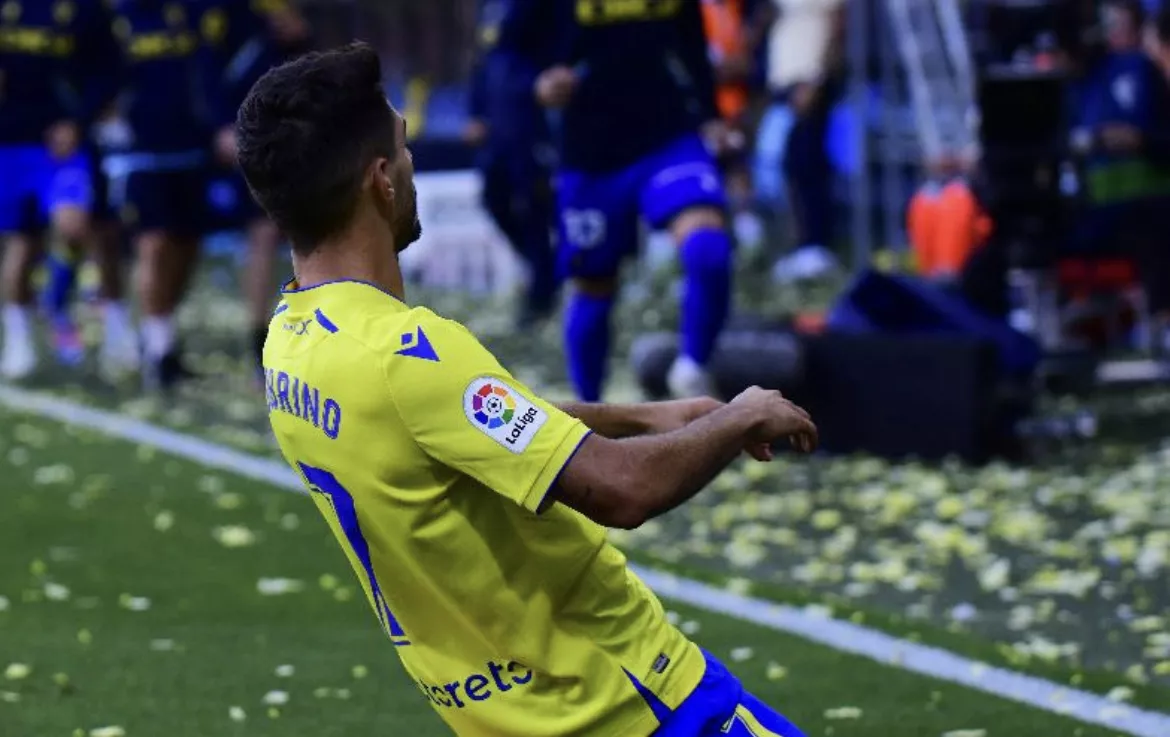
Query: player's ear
[[384, 180]]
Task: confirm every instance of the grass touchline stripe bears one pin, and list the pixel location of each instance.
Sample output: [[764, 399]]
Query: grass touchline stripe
[[837, 634]]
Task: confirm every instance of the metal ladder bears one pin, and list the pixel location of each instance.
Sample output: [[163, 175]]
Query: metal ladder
[[932, 47]]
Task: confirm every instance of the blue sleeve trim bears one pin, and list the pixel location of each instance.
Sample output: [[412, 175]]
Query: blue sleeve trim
[[540, 508]]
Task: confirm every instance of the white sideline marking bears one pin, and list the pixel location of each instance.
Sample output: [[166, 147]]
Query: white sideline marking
[[837, 634]]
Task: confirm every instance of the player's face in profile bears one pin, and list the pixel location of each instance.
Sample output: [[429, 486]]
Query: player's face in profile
[[407, 226]]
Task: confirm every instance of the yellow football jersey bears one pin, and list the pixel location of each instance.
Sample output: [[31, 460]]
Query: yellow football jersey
[[430, 463]]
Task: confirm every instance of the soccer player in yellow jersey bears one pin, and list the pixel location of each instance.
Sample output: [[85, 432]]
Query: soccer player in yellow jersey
[[472, 510]]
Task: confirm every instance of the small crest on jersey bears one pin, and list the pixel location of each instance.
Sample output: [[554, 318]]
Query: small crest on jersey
[[502, 413], [661, 663]]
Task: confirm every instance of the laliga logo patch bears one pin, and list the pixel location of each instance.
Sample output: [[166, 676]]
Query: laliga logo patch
[[502, 413]]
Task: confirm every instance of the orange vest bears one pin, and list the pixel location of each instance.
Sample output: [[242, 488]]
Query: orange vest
[[945, 226], [723, 21]]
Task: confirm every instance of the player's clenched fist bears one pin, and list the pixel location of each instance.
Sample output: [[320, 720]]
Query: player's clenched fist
[[776, 418], [555, 86]]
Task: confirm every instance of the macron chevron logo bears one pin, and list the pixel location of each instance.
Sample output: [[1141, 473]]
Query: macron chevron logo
[[417, 345]]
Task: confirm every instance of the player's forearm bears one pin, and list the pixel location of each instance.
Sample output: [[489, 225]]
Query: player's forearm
[[612, 420], [670, 468]]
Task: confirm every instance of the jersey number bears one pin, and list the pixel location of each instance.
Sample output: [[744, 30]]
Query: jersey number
[[323, 482]]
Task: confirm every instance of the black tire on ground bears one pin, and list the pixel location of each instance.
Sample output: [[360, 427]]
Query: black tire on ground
[[771, 359]]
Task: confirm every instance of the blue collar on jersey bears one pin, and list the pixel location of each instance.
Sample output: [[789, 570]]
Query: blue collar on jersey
[[291, 287]]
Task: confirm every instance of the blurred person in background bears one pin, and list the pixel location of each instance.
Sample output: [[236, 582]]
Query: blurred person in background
[[945, 221], [812, 93], [256, 36], [634, 89], [1120, 122], [515, 158], [733, 60], [170, 104], [798, 63], [49, 95]]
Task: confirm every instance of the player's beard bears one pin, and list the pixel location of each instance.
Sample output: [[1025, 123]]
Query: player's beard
[[409, 227]]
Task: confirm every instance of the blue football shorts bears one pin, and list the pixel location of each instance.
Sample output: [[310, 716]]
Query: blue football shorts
[[719, 707], [597, 212], [35, 184]]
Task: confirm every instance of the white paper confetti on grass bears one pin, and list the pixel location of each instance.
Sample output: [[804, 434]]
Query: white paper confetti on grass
[[4, 603], [162, 645], [689, 627], [111, 731], [279, 586], [740, 654], [210, 484], [965, 733], [134, 603], [55, 474], [776, 672], [740, 586], [56, 592], [237, 714], [275, 698], [164, 520], [234, 536], [17, 671], [1120, 694], [228, 500], [285, 671], [10, 697], [995, 576], [843, 712]]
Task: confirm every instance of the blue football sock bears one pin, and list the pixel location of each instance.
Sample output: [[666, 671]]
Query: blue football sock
[[62, 276], [587, 343], [706, 261]]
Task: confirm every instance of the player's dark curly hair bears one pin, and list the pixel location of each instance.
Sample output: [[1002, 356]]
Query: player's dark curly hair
[[307, 132]]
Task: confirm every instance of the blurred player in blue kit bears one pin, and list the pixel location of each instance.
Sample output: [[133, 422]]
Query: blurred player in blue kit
[[171, 103], [635, 91], [49, 96], [257, 36], [515, 158]]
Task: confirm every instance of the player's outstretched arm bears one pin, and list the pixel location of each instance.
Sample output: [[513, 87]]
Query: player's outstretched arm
[[623, 483], [644, 418]]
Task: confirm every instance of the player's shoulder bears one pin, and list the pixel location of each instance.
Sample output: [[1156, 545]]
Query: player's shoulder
[[419, 337]]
